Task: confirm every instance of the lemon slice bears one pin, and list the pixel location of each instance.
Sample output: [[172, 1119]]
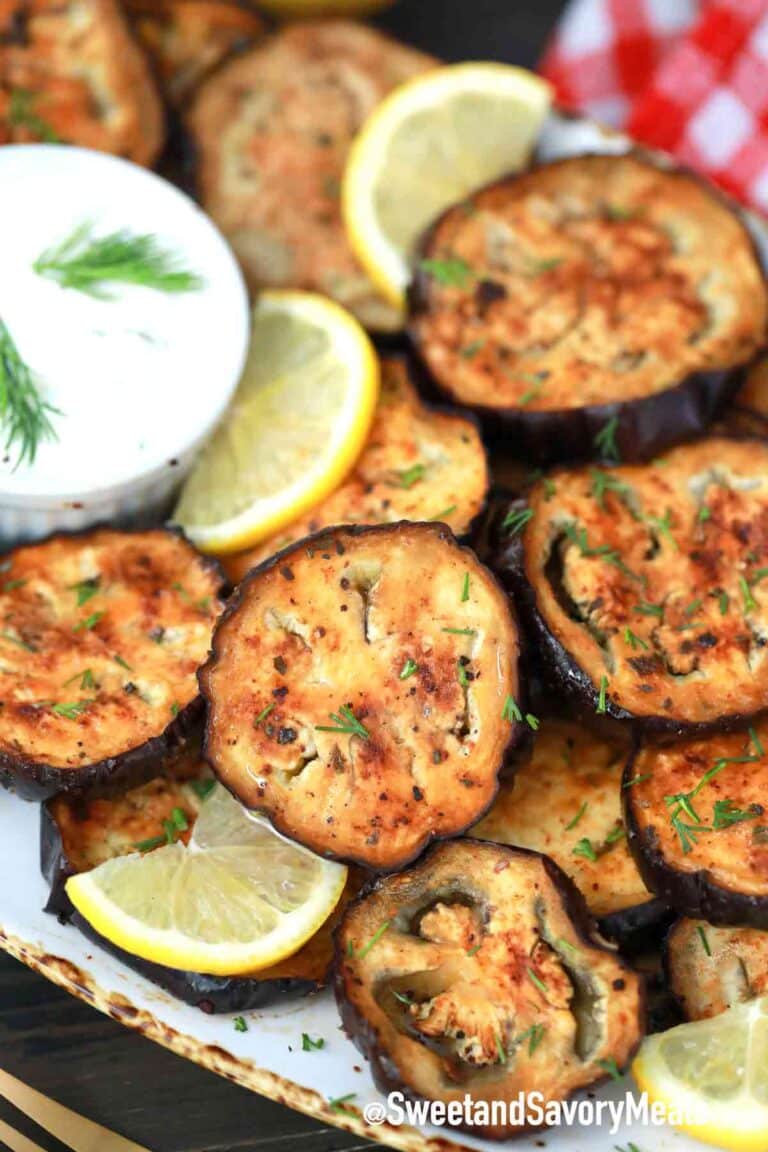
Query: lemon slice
[[298, 422], [428, 145], [237, 899], [715, 1073]]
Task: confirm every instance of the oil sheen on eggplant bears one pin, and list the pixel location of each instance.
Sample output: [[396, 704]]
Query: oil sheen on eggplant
[[101, 635], [590, 290], [479, 971], [644, 586], [697, 821], [362, 691]]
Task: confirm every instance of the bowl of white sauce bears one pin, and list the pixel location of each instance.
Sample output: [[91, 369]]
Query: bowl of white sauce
[[135, 377]]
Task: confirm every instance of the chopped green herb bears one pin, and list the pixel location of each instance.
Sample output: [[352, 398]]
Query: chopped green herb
[[585, 848], [339, 1104], [532, 721], [755, 741], [12, 585], [444, 513], [461, 674], [72, 711], [663, 525], [532, 393], [704, 514], [537, 981], [534, 1035], [460, 631], [577, 817], [362, 952], [240, 1024], [637, 780], [724, 601], [725, 814], [750, 604], [511, 712], [474, 950], [500, 1050], [263, 715], [610, 1066], [465, 588], [89, 623], [644, 608], [452, 272], [202, 788], [401, 996], [410, 476], [408, 669], [123, 663], [634, 641], [179, 820], [601, 700], [604, 481], [175, 709], [86, 590], [345, 721], [704, 940], [605, 441], [22, 114], [151, 844], [87, 263], [516, 520], [310, 1045], [471, 349], [86, 679]]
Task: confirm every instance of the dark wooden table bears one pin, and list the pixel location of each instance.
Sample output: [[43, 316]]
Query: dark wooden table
[[83, 1059]]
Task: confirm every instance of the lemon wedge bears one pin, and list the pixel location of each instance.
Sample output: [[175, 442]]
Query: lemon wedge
[[298, 422], [237, 899], [715, 1072], [428, 145]]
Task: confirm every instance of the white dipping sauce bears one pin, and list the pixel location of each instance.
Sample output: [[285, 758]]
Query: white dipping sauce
[[140, 378]]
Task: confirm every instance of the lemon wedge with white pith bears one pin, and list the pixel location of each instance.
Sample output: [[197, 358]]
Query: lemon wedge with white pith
[[297, 424], [237, 899], [428, 145], [715, 1073]]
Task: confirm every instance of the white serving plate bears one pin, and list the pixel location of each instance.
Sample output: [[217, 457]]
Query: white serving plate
[[268, 1058]]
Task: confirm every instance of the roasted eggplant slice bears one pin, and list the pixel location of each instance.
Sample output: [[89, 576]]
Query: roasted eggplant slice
[[362, 691], [419, 463], [478, 971], [594, 290], [187, 39], [101, 635], [645, 586], [79, 832], [748, 412], [70, 70], [696, 815], [566, 803], [271, 131], [710, 969]]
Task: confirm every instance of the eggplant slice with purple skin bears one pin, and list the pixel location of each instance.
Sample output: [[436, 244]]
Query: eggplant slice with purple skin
[[419, 463], [101, 635], [566, 803], [575, 308], [710, 968], [645, 587], [696, 815], [81, 831], [362, 691], [479, 971]]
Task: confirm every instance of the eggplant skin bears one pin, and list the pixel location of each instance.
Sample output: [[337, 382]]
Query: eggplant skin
[[664, 373], [568, 797], [75, 647], [720, 878], [747, 414], [420, 461], [710, 969], [369, 619], [623, 601], [452, 903]]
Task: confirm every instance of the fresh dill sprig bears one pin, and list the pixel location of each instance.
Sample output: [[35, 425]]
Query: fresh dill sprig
[[345, 721], [87, 263], [22, 114], [24, 415]]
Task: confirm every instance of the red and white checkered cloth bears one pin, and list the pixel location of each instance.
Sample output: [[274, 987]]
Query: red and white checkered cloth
[[687, 76]]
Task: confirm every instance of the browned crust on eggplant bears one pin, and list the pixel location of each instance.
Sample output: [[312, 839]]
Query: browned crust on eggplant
[[76, 609], [386, 484], [78, 832], [333, 623], [272, 130], [706, 857], [187, 39], [710, 969], [566, 803], [579, 308], [489, 942], [71, 71], [672, 552]]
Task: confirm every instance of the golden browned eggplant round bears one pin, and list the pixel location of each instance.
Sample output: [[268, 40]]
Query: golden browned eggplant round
[[272, 130], [70, 70], [478, 971], [646, 586], [362, 691], [101, 635], [187, 39], [566, 803], [710, 968], [81, 831], [590, 291], [419, 463], [696, 815]]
